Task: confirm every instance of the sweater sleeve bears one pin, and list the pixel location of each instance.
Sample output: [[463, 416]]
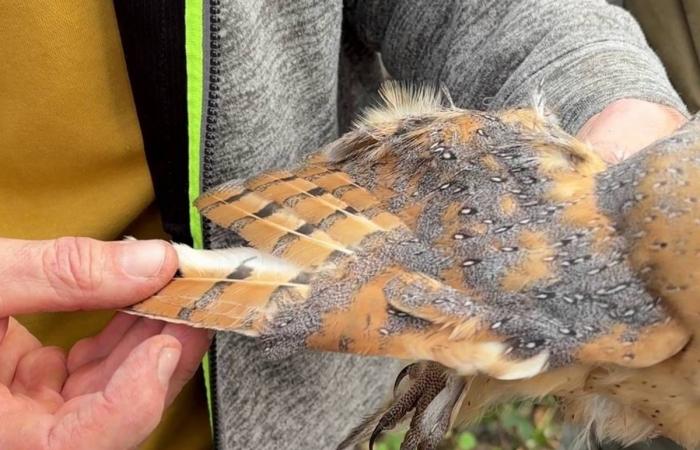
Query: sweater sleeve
[[492, 54]]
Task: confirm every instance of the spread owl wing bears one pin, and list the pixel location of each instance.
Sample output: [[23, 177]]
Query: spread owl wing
[[469, 239], [330, 268]]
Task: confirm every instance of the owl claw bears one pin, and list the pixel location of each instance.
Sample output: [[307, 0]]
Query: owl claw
[[375, 434], [405, 371]]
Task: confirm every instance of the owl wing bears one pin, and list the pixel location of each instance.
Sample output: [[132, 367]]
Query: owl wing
[[326, 269], [329, 268]]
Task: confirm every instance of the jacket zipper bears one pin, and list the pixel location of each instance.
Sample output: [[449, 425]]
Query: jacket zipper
[[216, 440], [213, 68]]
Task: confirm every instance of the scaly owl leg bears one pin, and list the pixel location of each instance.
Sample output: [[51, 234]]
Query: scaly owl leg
[[433, 414], [432, 394]]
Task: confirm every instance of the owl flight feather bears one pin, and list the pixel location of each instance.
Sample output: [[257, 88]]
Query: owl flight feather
[[494, 249]]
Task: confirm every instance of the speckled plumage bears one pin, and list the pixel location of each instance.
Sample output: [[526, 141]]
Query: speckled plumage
[[492, 244]]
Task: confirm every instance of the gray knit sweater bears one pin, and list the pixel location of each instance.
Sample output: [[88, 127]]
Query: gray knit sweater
[[293, 72]]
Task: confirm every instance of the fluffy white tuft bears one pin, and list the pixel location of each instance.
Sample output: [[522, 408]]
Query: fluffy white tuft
[[401, 100], [220, 263], [538, 103]]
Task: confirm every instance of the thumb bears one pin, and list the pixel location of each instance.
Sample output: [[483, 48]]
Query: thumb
[[132, 403], [79, 273], [628, 125]]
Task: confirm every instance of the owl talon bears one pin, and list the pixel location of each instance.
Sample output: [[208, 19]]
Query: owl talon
[[405, 371]]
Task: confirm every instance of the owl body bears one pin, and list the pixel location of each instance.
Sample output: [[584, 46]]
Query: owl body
[[495, 249]]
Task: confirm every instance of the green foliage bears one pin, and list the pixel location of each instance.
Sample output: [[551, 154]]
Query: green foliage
[[392, 441], [466, 441]]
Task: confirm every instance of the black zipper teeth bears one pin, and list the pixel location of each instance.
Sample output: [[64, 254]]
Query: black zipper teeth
[[210, 138], [216, 442]]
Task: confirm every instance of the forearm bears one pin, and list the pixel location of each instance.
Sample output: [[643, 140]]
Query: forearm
[[585, 53]]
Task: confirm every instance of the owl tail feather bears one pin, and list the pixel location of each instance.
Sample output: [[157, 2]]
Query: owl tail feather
[[234, 289]]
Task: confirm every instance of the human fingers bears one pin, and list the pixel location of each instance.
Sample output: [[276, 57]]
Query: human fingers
[[99, 346], [120, 342], [130, 406], [95, 375]]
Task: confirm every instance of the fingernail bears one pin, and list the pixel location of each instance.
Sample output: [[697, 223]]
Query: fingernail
[[167, 361], [142, 258]]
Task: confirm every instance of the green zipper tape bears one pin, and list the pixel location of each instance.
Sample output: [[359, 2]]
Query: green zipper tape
[[194, 53], [195, 85]]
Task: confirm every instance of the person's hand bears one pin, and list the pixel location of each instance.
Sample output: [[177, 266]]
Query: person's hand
[[109, 392], [626, 126]]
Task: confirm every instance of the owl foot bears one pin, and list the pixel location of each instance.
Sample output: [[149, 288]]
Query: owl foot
[[432, 393]]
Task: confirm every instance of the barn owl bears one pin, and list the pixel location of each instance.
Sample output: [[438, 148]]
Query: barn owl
[[495, 252]]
